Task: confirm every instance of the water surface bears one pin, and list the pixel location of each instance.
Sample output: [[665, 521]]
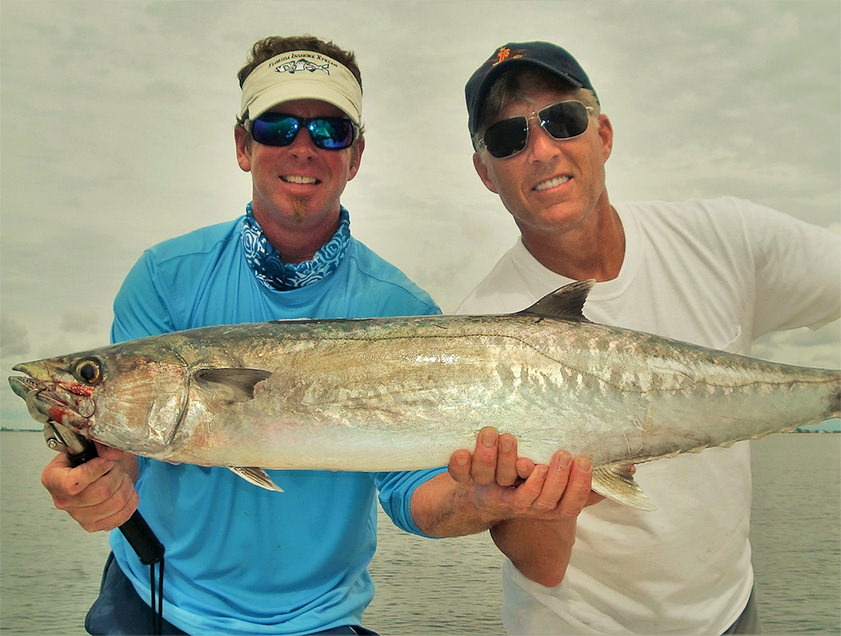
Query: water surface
[[50, 567]]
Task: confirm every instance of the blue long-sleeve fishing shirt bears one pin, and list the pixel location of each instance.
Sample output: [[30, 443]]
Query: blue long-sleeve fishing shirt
[[241, 559]]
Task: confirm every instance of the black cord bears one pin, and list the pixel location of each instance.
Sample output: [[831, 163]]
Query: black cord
[[157, 597], [136, 531]]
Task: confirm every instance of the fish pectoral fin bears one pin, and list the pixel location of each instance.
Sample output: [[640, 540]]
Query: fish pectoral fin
[[237, 385], [618, 484], [256, 476]]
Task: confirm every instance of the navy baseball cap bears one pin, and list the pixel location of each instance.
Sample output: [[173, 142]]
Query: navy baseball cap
[[542, 55]]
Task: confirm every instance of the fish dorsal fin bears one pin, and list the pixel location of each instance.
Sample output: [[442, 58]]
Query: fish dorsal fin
[[566, 303], [617, 483], [237, 384], [256, 476]]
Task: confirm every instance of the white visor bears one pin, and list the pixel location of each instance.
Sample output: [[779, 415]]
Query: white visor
[[301, 75]]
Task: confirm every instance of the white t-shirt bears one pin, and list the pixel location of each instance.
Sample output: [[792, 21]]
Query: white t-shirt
[[717, 273]]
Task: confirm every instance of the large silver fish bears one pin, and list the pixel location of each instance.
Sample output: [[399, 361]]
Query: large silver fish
[[404, 393]]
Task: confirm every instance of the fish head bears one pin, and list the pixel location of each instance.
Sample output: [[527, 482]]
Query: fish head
[[129, 396]]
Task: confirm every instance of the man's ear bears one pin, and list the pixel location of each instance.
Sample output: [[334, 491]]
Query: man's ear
[[483, 172], [606, 135], [356, 157], [243, 145]]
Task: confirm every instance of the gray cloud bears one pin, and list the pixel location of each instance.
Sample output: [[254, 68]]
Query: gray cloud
[[14, 340], [79, 319]]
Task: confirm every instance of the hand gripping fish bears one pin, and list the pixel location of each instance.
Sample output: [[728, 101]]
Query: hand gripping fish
[[404, 393]]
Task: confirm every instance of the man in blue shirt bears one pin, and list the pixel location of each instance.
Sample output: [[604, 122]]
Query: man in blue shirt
[[240, 559]]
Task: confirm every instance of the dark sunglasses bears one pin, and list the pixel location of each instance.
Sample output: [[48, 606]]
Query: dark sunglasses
[[280, 129], [563, 120]]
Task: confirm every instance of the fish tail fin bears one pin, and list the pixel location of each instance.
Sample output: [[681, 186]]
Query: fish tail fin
[[618, 484], [831, 380]]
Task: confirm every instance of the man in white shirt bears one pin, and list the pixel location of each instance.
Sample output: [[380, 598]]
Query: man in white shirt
[[718, 273]]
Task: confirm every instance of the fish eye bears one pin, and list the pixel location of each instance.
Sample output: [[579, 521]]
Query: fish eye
[[89, 371]]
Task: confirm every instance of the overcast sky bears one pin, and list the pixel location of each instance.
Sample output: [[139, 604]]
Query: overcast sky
[[117, 119]]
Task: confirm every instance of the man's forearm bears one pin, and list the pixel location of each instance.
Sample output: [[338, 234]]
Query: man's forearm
[[540, 550], [531, 510], [443, 508]]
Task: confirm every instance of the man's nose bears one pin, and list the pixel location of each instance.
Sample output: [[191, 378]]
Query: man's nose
[[302, 144], [541, 144]]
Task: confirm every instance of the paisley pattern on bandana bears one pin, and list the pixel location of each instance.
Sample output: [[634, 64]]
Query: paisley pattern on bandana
[[269, 267]]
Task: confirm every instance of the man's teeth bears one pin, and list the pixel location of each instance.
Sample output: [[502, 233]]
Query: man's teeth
[[551, 183], [293, 178]]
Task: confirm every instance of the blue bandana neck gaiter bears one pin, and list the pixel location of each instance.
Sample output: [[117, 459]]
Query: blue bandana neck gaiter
[[269, 267]]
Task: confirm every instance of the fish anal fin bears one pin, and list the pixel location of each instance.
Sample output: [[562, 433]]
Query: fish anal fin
[[618, 484], [566, 303], [236, 384], [256, 476]]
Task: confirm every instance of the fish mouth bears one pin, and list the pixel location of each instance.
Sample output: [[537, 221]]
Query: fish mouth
[[52, 394], [32, 391], [23, 385]]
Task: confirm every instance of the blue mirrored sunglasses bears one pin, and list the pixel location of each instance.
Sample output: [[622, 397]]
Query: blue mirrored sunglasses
[[280, 129]]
